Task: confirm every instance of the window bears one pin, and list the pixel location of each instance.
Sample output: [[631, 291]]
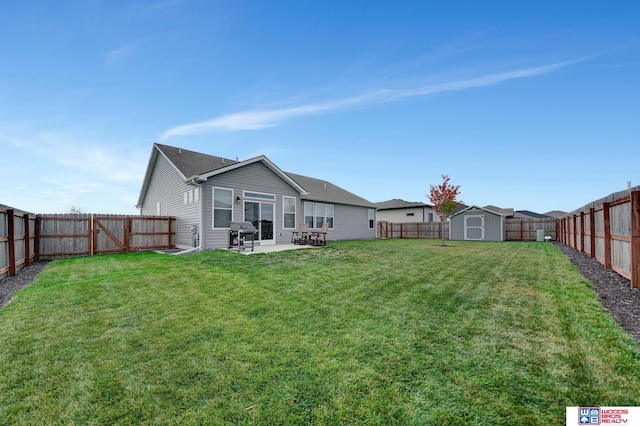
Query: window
[[191, 196], [430, 217], [411, 214], [372, 217], [288, 212], [315, 214], [319, 215], [308, 213], [259, 195], [328, 215], [222, 207]]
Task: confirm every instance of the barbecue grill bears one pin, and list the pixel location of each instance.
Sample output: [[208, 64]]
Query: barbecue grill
[[239, 233]]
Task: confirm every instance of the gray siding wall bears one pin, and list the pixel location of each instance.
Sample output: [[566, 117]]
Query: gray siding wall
[[351, 223], [167, 187], [255, 177], [493, 225]]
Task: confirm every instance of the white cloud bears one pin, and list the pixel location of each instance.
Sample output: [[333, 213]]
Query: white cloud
[[263, 118]]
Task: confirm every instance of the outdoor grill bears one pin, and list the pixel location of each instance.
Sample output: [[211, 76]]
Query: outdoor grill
[[239, 233]]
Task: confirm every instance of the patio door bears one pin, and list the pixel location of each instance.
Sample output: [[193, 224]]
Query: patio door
[[261, 215]]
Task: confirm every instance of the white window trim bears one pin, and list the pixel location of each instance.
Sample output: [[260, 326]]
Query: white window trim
[[295, 212], [213, 207]]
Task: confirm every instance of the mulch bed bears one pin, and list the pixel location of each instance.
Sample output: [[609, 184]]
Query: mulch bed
[[615, 292], [23, 278]]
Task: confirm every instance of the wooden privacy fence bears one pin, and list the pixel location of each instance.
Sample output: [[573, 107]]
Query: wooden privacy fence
[[25, 237], [516, 229], [527, 229], [429, 230], [17, 241], [609, 231]]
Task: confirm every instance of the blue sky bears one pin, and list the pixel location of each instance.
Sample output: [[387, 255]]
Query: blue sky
[[529, 105]]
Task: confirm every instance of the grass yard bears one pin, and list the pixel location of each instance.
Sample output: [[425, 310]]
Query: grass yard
[[368, 332]]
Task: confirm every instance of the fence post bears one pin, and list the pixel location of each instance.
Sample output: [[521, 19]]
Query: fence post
[[592, 232], [11, 235], [128, 226], [575, 231], [36, 243], [607, 235], [582, 233], [635, 239], [27, 240], [521, 230]]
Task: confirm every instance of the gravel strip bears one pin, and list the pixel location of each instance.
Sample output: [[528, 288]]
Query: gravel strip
[[23, 278], [615, 292]]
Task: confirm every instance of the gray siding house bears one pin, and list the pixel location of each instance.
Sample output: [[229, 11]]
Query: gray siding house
[[477, 224], [206, 193]]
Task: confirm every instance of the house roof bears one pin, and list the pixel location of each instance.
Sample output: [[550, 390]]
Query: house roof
[[479, 208], [199, 167], [322, 190], [191, 163], [397, 203], [503, 212], [526, 214]]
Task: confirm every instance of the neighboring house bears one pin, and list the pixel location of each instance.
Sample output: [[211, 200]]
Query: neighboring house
[[206, 193], [526, 214], [400, 211], [477, 224]]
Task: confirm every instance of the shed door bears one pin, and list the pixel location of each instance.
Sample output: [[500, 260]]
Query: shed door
[[474, 227]]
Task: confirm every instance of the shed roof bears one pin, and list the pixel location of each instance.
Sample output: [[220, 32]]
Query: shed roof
[[479, 208]]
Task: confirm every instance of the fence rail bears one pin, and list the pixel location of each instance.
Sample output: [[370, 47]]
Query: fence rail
[[25, 237], [609, 231]]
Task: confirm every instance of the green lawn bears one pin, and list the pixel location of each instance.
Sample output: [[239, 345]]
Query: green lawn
[[368, 332]]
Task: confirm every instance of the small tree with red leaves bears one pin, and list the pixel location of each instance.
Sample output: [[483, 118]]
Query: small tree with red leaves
[[443, 197]]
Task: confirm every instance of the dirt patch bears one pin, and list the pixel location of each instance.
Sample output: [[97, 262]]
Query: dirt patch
[[615, 292], [23, 278]]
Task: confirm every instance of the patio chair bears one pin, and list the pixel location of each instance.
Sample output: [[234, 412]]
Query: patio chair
[[319, 238], [301, 236]]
